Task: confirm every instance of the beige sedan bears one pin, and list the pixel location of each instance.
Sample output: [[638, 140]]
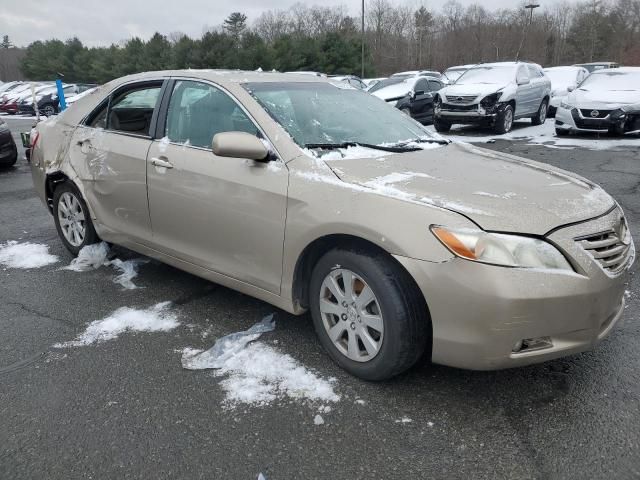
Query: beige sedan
[[311, 195]]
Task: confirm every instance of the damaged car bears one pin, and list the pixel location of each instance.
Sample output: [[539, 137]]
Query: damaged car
[[494, 95], [604, 102], [323, 199]]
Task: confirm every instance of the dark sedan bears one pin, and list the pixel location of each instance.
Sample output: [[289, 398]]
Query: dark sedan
[[8, 150], [413, 95]]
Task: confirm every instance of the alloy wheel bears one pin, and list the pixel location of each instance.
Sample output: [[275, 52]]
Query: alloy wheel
[[49, 111], [543, 113], [72, 220], [508, 120], [351, 315]]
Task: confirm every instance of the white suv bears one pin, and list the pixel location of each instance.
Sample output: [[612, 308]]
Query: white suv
[[494, 94]]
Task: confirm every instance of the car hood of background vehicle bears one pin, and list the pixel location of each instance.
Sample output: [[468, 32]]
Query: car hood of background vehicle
[[482, 89], [603, 98], [393, 91], [497, 191]]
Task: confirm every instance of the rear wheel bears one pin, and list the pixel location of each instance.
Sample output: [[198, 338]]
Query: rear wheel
[[441, 126], [368, 314], [72, 218], [541, 115], [504, 120]]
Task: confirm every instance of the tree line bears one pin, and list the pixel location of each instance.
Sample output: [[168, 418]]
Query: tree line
[[328, 39]]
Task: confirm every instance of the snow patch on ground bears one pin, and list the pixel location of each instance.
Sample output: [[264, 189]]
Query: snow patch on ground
[[157, 318], [95, 256], [318, 420], [25, 255], [259, 375], [544, 135], [404, 420]]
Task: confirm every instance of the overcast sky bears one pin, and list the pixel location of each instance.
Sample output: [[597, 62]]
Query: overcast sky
[[100, 22]]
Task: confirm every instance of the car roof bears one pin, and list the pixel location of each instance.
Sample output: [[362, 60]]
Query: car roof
[[610, 71], [565, 67], [226, 76], [597, 63]]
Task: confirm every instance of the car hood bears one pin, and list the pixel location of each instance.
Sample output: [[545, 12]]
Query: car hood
[[393, 91], [477, 89], [610, 99], [498, 192]]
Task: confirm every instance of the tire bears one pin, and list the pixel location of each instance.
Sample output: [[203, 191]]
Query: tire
[[504, 120], [541, 115], [49, 110], [77, 213], [406, 111], [11, 162], [403, 314], [441, 126], [561, 132]]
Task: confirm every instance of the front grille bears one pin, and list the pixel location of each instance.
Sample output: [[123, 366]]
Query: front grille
[[589, 123], [593, 113], [461, 99], [459, 108], [608, 249]]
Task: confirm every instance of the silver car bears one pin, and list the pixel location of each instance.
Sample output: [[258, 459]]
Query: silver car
[[494, 95], [316, 197]]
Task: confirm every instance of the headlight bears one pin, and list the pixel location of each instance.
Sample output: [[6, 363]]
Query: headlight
[[501, 249], [566, 105], [491, 99]]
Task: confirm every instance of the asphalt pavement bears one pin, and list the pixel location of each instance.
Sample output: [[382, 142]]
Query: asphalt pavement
[[126, 409]]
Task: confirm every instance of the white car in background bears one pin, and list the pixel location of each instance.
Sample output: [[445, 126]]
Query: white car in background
[[563, 80], [452, 74], [599, 103], [370, 82], [417, 73]]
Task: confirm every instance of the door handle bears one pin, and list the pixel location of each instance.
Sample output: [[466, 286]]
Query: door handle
[[159, 162]]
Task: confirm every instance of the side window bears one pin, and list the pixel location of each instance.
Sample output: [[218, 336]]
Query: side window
[[197, 111], [533, 72], [421, 86], [131, 110], [522, 76], [434, 85], [99, 118]]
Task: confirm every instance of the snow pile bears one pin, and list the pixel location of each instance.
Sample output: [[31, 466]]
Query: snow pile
[[154, 319], [226, 347], [95, 256], [259, 375], [25, 255], [90, 257], [318, 420]]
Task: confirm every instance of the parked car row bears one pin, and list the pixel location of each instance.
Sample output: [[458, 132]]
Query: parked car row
[[18, 97]]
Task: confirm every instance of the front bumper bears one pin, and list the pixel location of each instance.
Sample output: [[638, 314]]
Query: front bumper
[[467, 114], [480, 312], [577, 120]]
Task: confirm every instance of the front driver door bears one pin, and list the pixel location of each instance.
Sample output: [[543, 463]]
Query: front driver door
[[109, 154], [225, 214]]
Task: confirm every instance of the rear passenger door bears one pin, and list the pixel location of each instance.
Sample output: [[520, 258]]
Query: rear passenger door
[[225, 214], [109, 153], [538, 87], [525, 92]]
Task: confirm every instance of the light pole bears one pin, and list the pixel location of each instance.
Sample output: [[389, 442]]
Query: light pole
[[529, 7], [362, 46]]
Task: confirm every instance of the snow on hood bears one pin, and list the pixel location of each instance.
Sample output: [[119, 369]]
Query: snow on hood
[[396, 90], [601, 98], [497, 191], [478, 89]]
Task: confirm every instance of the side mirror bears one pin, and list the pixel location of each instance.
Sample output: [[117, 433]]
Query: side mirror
[[523, 81], [571, 88], [239, 145]]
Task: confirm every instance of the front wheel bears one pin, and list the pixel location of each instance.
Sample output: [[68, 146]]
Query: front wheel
[[541, 114], [441, 126], [504, 120], [368, 314], [49, 110], [72, 218]]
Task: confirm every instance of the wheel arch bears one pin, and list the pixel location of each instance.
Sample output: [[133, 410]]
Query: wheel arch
[[317, 248], [52, 180]]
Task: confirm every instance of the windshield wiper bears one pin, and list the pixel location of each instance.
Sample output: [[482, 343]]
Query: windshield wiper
[[392, 148], [425, 140]]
